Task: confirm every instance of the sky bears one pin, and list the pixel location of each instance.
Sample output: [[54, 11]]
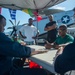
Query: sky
[[23, 17]]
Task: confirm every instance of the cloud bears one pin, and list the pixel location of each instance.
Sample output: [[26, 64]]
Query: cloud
[[58, 7]]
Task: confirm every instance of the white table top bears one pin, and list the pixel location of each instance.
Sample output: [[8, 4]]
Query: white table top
[[44, 59]]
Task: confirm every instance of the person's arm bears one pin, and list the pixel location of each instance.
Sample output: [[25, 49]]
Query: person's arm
[[48, 45], [48, 28], [22, 35], [36, 33], [21, 31], [14, 49], [61, 45], [21, 42], [11, 48], [52, 27]]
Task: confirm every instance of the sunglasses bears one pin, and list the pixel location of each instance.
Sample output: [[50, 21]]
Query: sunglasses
[[61, 29]]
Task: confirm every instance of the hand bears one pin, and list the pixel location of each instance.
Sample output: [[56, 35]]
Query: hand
[[34, 37], [24, 37], [49, 27], [57, 46], [23, 43], [38, 52], [48, 46], [20, 32], [60, 50]]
